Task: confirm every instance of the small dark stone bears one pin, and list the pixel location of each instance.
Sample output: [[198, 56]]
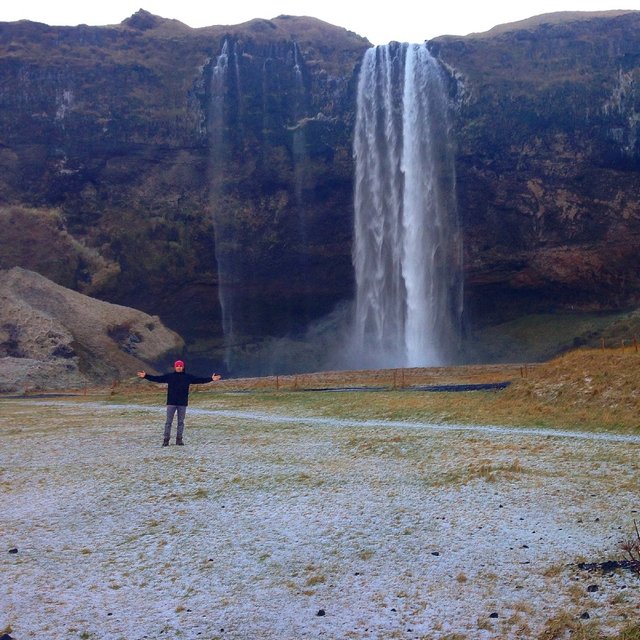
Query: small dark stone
[[393, 610], [493, 615], [321, 613], [597, 520], [525, 546], [435, 553], [585, 616], [592, 588], [14, 550], [609, 566]]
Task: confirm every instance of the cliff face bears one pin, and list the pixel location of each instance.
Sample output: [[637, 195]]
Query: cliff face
[[205, 175], [548, 124], [123, 144]]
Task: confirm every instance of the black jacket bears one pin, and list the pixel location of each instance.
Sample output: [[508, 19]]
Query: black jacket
[[178, 389]]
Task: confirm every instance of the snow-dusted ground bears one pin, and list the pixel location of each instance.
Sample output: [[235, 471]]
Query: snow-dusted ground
[[262, 522]]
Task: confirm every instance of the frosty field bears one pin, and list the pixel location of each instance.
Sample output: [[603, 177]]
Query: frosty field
[[284, 526]]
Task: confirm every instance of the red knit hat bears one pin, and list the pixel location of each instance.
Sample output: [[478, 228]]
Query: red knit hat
[[178, 363]]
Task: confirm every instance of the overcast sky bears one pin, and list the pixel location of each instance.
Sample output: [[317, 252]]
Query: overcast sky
[[380, 22]]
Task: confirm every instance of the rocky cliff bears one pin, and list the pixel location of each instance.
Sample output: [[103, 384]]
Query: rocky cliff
[[120, 147], [548, 162], [54, 338], [205, 175]]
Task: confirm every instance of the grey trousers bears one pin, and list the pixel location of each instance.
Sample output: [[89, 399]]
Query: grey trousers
[[171, 410]]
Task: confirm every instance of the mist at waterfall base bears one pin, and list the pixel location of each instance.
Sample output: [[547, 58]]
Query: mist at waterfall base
[[407, 252]]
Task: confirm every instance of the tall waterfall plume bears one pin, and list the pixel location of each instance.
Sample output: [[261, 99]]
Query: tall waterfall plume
[[227, 263], [259, 108], [407, 252]]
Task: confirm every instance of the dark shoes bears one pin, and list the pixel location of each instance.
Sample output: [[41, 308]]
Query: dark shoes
[[180, 443]]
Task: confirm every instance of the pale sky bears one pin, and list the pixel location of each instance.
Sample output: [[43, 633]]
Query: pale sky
[[380, 22]]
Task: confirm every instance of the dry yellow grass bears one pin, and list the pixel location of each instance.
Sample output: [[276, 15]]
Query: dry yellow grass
[[589, 389], [585, 389]]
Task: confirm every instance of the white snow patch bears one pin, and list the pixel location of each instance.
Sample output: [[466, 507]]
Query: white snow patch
[[395, 530]]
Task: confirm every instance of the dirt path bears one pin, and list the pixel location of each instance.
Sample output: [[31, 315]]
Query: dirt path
[[276, 418]]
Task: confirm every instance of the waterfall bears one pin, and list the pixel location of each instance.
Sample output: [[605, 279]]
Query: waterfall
[[218, 152], [300, 159], [407, 249], [254, 117]]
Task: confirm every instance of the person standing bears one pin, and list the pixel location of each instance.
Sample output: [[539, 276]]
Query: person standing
[[178, 382]]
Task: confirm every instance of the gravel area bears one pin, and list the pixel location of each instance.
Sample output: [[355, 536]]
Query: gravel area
[[285, 527]]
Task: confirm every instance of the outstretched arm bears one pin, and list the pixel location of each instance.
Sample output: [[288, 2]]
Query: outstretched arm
[[148, 376], [198, 380]]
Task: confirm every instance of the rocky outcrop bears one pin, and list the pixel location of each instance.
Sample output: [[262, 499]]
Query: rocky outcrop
[[53, 337]]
